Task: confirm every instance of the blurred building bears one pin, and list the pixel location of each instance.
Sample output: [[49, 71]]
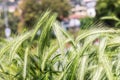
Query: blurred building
[[83, 8], [75, 2], [11, 5], [78, 12], [90, 5]]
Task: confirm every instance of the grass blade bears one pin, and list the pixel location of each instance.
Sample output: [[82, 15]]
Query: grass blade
[[25, 63]]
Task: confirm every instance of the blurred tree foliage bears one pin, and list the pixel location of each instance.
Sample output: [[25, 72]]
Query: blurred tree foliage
[[1, 28], [86, 23], [108, 8], [12, 22], [62, 7], [31, 10]]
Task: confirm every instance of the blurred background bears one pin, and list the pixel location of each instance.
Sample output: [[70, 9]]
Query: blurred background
[[16, 16]]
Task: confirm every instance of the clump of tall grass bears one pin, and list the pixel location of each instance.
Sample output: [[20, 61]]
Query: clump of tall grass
[[26, 57]]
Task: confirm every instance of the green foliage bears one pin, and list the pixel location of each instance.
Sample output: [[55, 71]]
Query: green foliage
[[12, 22], [31, 9], [1, 27], [108, 8], [117, 24], [86, 23], [62, 7], [28, 58]]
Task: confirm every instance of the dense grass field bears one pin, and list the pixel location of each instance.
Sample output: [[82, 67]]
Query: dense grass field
[[93, 55]]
